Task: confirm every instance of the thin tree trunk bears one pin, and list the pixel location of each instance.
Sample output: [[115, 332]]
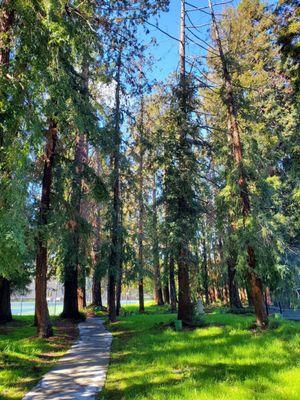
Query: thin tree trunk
[[233, 129], [120, 272], [6, 22], [114, 260], [158, 297], [205, 272], [185, 310], [173, 298], [119, 292], [5, 306], [41, 307], [165, 288], [141, 208], [81, 297], [96, 285]]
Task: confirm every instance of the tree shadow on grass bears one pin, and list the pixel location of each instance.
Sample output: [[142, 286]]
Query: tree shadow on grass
[[180, 352]]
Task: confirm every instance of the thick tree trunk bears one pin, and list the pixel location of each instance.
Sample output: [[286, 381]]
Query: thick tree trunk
[[96, 292], [74, 273], [166, 292], [41, 306], [72, 265], [185, 310], [5, 306], [173, 298], [234, 297], [70, 309], [233, 130]]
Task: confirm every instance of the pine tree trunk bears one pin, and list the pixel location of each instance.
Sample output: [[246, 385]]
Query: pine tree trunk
[[158, 297], [70, 309], [165, 288], [5, 306], [119, 293], [184, 296], [96, 285], [233, 130], [81, 297], [74, 273], [205, 272], [72, 265], [141, 209], [173, 298], [234, 297], [115, 250], [96, 292], [166, 292], [41, 307], [81, 291], [6, 22], [141, 296]]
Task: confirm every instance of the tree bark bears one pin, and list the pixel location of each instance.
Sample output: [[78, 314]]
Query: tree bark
[[184, 295], [234, 297], [70, 309], [115, 256], [158, 297], [6, 22], [119, 292], [81, 297], [173, 298], [205, 272], [96, 292], [72, 264], [166, 291], [141, 206], [5, 306], [75, 272], [41, 307], [234, 133]]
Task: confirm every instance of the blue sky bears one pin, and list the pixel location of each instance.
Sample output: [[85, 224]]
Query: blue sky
[[166, 51]]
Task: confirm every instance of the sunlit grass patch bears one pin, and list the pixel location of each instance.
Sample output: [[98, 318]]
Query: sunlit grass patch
[[24, 358], [223, 360]]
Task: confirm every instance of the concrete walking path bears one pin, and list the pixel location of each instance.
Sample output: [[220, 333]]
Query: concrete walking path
[[81, 373]]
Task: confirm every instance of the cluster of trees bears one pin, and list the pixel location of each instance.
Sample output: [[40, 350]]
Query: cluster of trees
[[189, 188]]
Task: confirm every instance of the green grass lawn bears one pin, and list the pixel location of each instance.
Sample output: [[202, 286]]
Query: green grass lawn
[[225, 360], [24, 358]]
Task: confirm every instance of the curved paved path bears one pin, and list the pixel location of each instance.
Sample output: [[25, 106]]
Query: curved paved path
[[80, 374]]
